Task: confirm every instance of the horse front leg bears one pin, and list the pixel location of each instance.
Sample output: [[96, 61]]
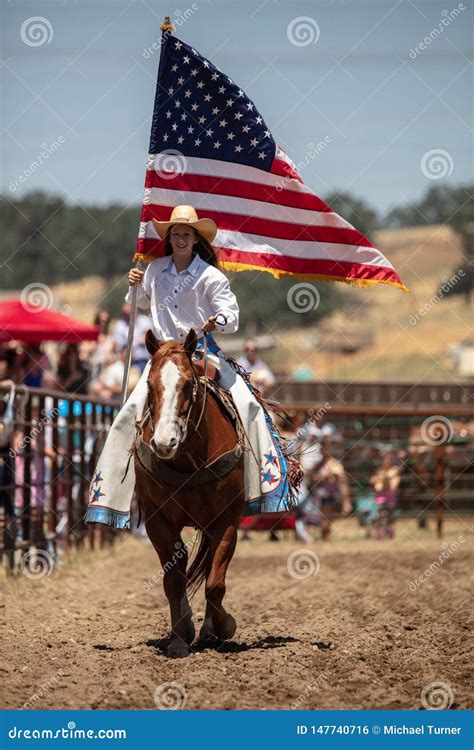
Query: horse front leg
[[173, 555], [218, 622]]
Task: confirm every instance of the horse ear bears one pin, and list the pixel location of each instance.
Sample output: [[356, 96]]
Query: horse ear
[[151, 342], [190, 342]]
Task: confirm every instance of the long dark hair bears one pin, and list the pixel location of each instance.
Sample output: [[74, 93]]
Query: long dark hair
[[203, 248]]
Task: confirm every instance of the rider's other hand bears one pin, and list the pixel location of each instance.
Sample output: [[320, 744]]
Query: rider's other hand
[[135, 275], [209, 325]]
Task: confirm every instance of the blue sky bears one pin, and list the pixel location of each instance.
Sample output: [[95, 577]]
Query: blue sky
[[356, 87]]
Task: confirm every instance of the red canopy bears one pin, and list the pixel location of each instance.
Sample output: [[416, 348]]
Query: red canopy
[[31, 324]]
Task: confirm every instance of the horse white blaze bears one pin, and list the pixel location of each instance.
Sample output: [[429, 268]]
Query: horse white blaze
[[167, 426]]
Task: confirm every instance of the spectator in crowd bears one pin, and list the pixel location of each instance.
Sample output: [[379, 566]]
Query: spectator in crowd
[[11, 362], [140, 354], [258, 369], [109, 384], [99, 353], [72, 373], [365, 508], [328, 488], [261, 377], [36, 368], [386, 481]]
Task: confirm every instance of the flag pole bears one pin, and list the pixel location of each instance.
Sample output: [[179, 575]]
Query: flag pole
[[166, 29]]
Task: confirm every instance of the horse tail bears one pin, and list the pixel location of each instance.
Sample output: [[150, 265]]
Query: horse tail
[[198, 569]]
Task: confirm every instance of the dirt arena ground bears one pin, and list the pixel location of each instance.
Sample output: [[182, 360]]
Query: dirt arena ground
[[355, 635]]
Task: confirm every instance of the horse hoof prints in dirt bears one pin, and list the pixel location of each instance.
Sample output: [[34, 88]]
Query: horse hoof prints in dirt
[[189, 469]]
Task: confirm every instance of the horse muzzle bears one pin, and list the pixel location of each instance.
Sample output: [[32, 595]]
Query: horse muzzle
[[166, 443]]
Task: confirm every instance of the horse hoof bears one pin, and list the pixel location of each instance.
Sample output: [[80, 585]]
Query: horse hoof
[[178, 650], [226, 629], [207, 631], [189, 632]]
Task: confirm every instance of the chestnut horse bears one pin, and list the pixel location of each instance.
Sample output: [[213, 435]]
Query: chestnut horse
[[183, 431]]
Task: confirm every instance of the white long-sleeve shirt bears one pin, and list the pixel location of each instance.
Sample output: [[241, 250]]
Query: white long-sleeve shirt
[[180, 301]]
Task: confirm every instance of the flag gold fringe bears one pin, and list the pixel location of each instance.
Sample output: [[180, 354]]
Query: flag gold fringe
[[229, 266], [142, 258]]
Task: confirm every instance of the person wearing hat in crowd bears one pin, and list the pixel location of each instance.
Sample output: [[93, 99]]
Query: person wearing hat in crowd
[[260, 374], [185, 289]]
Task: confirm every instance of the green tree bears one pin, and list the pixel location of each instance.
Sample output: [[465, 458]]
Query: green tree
[[357, 212]]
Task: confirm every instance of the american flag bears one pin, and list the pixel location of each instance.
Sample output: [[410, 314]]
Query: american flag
[[211, 148]]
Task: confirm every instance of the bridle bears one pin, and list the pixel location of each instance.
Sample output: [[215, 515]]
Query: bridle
[[148, 416]]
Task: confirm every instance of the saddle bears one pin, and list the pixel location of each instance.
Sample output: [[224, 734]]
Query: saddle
[[209, 371], [222, 465]]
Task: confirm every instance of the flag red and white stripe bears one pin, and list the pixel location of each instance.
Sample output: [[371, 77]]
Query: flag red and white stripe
[[268, 221], [211, 149]]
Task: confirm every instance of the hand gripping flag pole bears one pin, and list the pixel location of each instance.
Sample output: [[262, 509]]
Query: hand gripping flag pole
[[166, 30]]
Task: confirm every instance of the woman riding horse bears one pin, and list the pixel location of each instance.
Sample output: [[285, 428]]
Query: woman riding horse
[[185, 290]]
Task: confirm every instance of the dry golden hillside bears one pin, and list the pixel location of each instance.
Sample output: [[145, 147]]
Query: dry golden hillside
[[397, 344]]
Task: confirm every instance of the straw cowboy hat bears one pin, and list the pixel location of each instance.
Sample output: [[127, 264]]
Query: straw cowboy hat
[[187, 215]]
